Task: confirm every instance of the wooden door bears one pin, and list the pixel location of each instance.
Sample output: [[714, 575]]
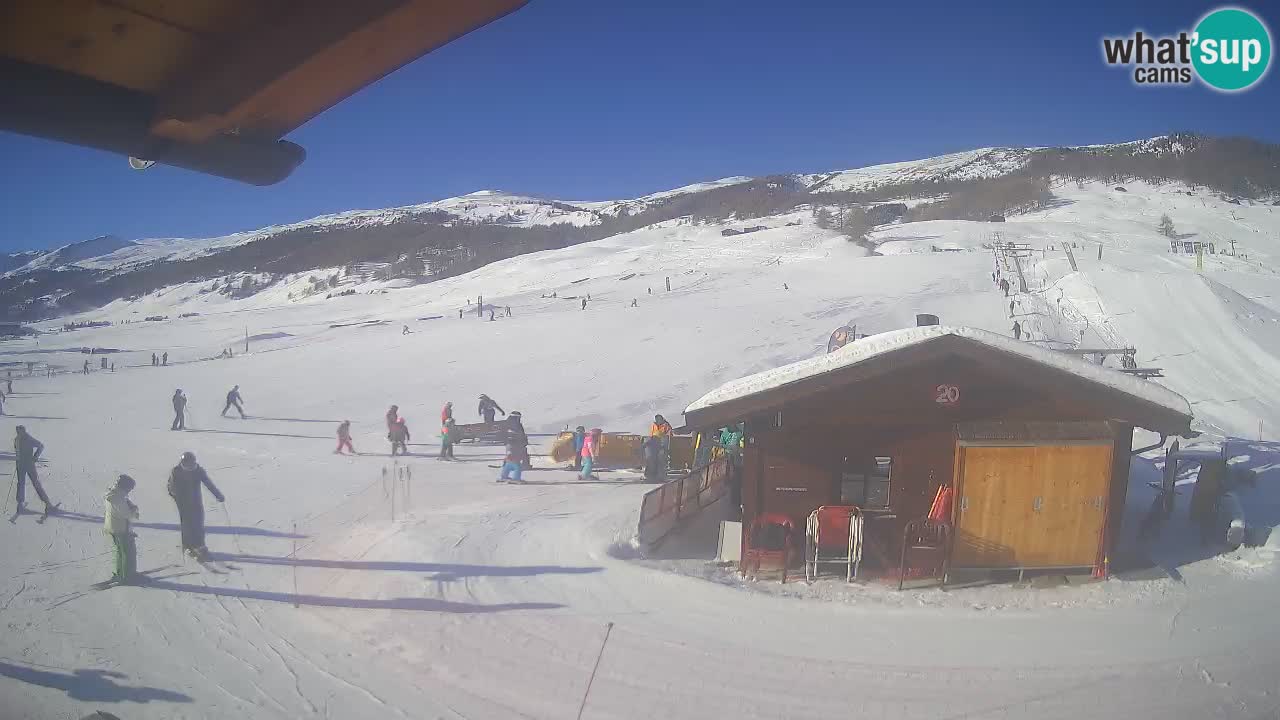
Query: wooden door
[[1031, 506], [1076, 484], [994, 505]]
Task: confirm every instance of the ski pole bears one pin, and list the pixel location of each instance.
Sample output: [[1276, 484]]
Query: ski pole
[[12, 487]]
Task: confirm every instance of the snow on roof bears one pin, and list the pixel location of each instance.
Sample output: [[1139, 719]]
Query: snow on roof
[[883, 343]]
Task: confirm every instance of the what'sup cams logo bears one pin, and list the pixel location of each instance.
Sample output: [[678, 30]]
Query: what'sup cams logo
[[1229, 50]]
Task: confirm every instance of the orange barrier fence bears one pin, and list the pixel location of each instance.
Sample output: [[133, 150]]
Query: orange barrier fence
[[666, 506]]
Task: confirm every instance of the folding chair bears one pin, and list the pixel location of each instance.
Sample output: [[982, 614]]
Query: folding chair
[[768, 538], [833, 534], [926, 535]]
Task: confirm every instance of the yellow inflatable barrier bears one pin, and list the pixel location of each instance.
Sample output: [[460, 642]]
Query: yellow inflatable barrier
[[622, 450]]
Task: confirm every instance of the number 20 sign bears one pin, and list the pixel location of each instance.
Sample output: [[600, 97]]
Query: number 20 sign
[[946, 395]]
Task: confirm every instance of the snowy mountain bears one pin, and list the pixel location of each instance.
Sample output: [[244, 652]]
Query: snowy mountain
[[437, 239]]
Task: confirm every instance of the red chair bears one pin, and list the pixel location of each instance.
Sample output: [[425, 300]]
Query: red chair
[[925, 535], [833, 534], [768, 538]]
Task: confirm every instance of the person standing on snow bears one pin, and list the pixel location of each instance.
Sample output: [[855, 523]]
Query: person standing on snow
[[1017, 330], [86, 367], [584, 303], [651, 450], [590, 450], [447, 433], [233, 400], [117, 522], [511, 463], [516, 433], [154, 360], [164, 359], [579, 437], [184, 487], [179, 410], [26, 453], [446, 414], [487, 407], [2, 399], [399, 437], [344, 437], [392, 415], [661, 429]]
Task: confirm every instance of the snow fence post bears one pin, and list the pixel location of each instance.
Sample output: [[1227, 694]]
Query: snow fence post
[[293, 556], [608, 628]]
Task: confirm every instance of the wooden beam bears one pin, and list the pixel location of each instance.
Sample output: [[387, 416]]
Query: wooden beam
[[283, 71]]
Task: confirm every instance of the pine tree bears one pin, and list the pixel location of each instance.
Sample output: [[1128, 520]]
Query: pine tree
[[1166, 226], [823, 218]]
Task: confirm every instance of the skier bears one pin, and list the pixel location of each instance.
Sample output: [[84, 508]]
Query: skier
[[233, 400], [86, 367], [786, 286], [584, 303], [651, 451], [446, 414], [579, 437], [491, 316], [516, 433], [405, 331], [487, 407], [184, 487], [635, 302], [399, 437], [9, 384], [511, 465], [117, 522], [1017, 330], [2, 399], [1010, 308], [508, 311], [730, 442], [590, 450], [164, 359], [154, 360], [661, 429], [26, 453], [344, 437], [179, 411], [993, 276], [392, 415], [447, 436], [459, 313]]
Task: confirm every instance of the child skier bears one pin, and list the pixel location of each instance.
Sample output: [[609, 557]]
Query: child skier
[[118, 522], [590, 450], [447, 433], [511, 463], [344, 438], [399, 437]]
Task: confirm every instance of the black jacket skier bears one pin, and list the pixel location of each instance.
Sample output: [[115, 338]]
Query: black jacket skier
[[184, 487], [487, 407], [26, 451], [516, 437], [233, 400], [179, 411]]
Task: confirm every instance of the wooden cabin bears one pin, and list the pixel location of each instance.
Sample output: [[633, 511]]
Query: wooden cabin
[[1034, 443]]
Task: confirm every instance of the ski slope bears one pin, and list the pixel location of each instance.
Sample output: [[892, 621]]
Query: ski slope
[[479, 600]]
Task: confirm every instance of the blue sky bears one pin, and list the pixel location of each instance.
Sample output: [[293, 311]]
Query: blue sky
[[582, 100]]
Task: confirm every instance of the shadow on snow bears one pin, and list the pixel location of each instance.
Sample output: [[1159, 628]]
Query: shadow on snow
[[90, 685]]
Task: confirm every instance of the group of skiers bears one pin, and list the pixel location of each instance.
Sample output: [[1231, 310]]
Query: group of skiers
[[398, 435], [179, 400], [158, 360], [184, 485]]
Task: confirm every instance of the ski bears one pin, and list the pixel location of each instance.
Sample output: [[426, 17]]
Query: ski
[[48, 510]]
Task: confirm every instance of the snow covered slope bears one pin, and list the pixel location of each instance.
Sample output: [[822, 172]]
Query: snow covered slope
[[467, 598]]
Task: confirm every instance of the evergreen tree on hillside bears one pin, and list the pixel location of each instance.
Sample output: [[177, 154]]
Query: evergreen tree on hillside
[[1166, 226], [823, 218]]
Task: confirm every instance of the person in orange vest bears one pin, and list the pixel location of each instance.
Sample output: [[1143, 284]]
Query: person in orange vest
[[661, 430]]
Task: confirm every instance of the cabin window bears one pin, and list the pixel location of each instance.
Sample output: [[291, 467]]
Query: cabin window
[[868, 486]]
